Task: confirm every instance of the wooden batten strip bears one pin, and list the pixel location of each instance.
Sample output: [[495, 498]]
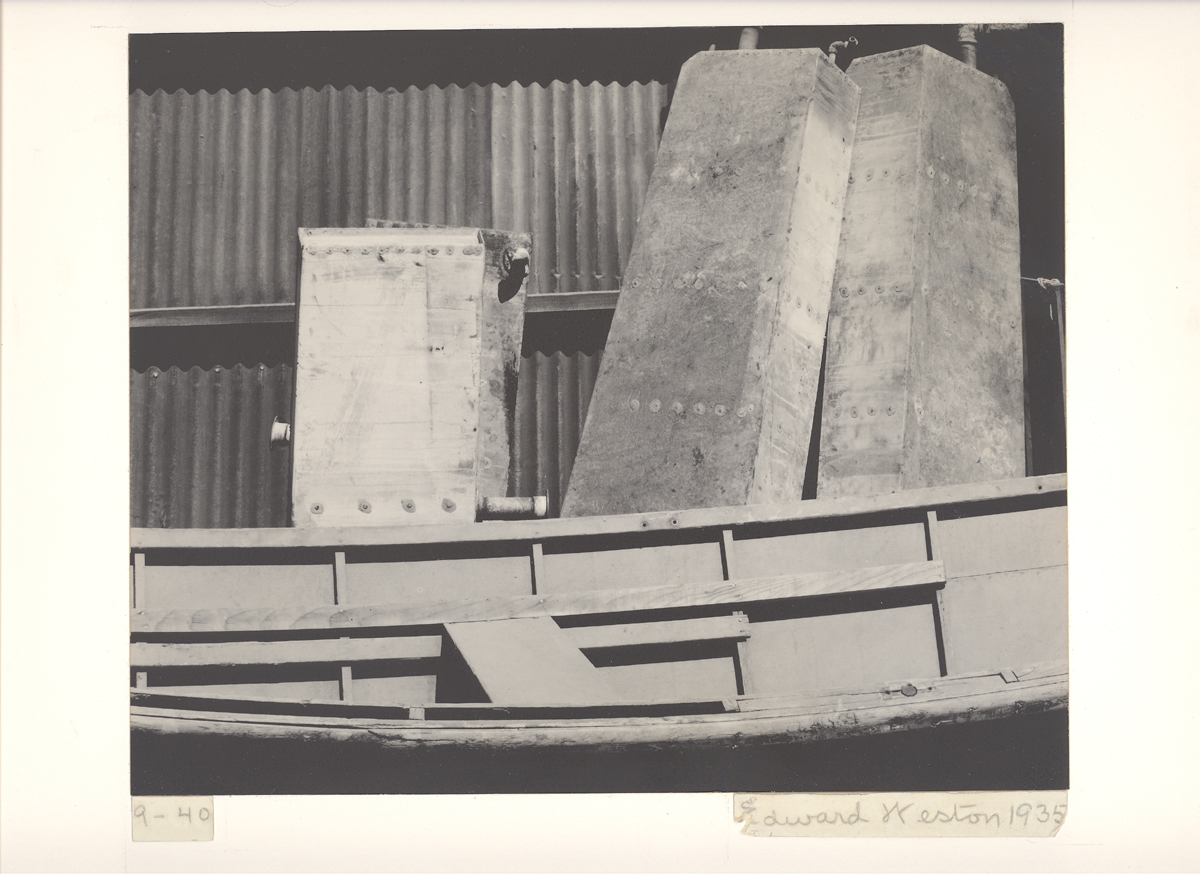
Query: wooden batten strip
[[282, 652], [946, 660], [634, 523], [538, 577], [928, 573], [649, 633], [341, 583], [138, 595]]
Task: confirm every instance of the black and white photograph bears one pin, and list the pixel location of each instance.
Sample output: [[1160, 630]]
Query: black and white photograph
[[598, 410], [586, 436]]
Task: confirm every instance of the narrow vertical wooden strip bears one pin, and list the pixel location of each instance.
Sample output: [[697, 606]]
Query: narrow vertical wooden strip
[[743, 655], [539, 568], [139, 581], [340, 589], [945, 658], [142, 681], [727, 553], [931, 534], [347, 684]]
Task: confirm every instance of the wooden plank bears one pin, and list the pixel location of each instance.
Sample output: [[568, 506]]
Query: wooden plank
[[929, 573], [237, 314], [438, 581], [674, 564], [538, 569], [571, 302], [283, 652], [550, 529], [341, 583], [831, 550], [244, 586], [674, 631], [299, 691], [1004, 541], [529, 661], [727, 555], [945, 658], [346, 684], [695, 679], [138, 583]]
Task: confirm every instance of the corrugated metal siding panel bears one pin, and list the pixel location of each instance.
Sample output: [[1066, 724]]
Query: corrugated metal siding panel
[[553, 392], [220, 182], [199, 447]]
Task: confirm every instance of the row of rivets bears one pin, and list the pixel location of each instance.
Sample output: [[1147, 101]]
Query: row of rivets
[[837, 411], [409, 505], [699, 408], [687, 280], [880, 288]]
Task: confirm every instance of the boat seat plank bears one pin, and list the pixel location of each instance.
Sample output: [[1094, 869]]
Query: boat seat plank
[[529, 661], [926, 573], [283, 652], [674, 631]]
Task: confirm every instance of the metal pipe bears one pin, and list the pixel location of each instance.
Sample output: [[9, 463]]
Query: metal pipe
[[840, 44], [749, 38], [514, 508], [968, 38]]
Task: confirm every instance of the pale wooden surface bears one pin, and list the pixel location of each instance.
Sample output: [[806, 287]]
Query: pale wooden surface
[[930, 573], [529, 661], [387, 377], [246, 585], [549, 529], [672, 565], [450, 579], [673, 631], [831, 550], [282, 652], [697, 679], [1004, 541]]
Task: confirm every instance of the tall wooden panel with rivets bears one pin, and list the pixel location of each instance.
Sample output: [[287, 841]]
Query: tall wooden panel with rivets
[[923, 383], [708, 386], [391, 421]]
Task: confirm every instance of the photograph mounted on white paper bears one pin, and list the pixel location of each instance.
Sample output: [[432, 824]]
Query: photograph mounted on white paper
[[647, 409]]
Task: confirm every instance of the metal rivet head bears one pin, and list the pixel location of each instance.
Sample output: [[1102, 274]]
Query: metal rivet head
[[861, 290], [851, 179], [432, 250], [870, 411], [485, 462], [312, 250], [677, 408], [636, 283], [844, 291], [719, 409], [896, 288], [409, 505], [317, 509], [879, 289], [329, 251], [645, 524], [891, 411], [366, 250], [1012, 323], [885, 173], [908, 690], [959, 184], [655, 405], [448, 505], [449, 250], [416, 250], [674, 521], [870, 173], [699, 409], [634, 404], [837, 413], [929, 171], [346, 250], [854, 413], [741, 413], [945, 178], [364, 506]]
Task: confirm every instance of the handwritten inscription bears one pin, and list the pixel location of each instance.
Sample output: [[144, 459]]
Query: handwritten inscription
[[916, 814], [172, 818]]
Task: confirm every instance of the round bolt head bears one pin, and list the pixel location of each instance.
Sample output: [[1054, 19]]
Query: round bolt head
[[449, 250], [870, 411], [448, 505], [432, 250], [854, 413], [844, 292], [677, 408], [409, 505], [719, 409], [655, 405], [741, 413], [317, 508], [698, 409], [908, 690], [634, 404], [636, 283], [879, 289], [870, 173], [891, 411], [364, 506], [366, 251], [485, 462]]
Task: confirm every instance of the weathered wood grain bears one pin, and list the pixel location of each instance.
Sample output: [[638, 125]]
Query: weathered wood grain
[[1004, 541], [923, 382], [282, 652], [612, 601], [674, 631], [549, 529], [530, 661], [707, 390]]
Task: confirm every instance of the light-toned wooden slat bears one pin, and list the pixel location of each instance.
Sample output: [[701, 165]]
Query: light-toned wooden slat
[[1004, 541], [572, 302], [530, 661], [346, 684], [539, 569], [939, 603], [727, 554], [549, 529], [569, 604], [341, 583], [138, 594], [283, 652], [239, 314], [646, 633]]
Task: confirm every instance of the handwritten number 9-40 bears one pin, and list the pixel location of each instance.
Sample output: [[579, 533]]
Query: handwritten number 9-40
[[140, 810]]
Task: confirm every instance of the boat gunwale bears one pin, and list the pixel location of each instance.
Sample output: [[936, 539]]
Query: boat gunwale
[[541, 530]]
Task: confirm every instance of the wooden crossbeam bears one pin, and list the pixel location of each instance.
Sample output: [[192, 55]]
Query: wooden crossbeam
[[649, 633], [282, 652]]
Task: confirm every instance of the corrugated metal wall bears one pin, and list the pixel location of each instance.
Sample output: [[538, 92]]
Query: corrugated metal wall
[[220, 182]]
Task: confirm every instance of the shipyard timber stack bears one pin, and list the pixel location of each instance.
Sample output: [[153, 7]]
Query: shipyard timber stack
[[822, 298]]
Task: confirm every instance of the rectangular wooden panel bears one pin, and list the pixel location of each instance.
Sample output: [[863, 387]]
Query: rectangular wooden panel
[[236, 586], [850, 649], [831, 550], [923, 380], [1004, 541], [672, 565], [282, 652], [387, 377], [707, 390], [434, 582], [644, 633], [313, 690], [529, 661], [1007, 620], [395, 690], [698, 679]]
